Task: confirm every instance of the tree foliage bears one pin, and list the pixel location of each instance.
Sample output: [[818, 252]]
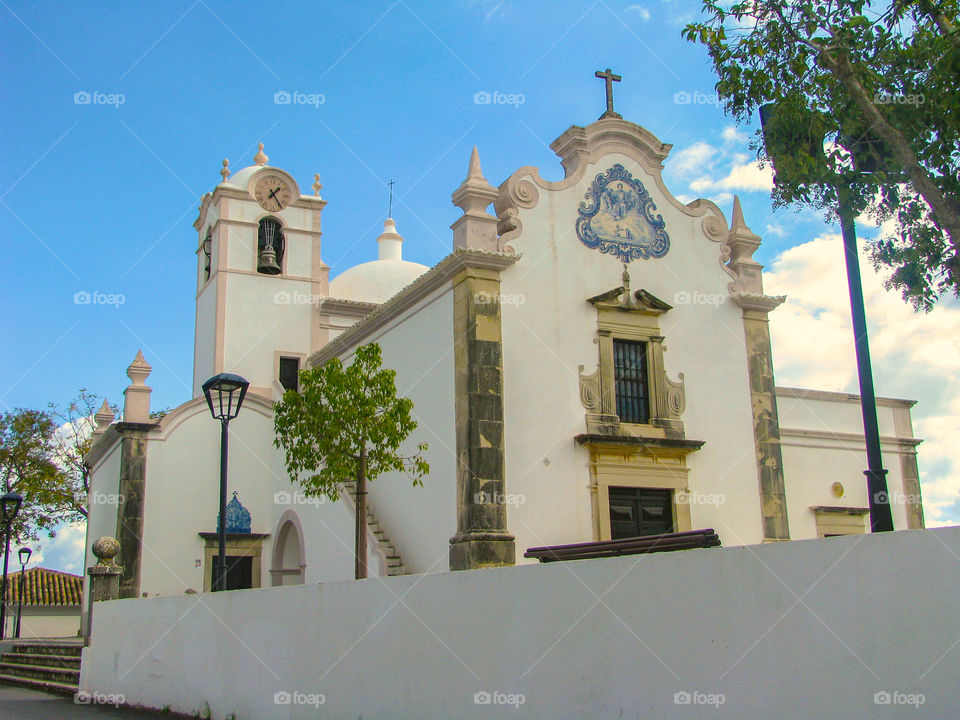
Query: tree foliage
[[857, 73], [340, 413], [28, 466], [346, 424], [72, 439]]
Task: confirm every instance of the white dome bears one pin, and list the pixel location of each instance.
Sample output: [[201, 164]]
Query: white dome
[[379, 280], [376, 281]]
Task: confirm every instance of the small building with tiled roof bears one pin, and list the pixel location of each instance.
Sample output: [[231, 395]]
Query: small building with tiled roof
[[51, 603]]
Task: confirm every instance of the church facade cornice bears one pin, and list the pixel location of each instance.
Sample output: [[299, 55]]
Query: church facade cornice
[[437, 277]]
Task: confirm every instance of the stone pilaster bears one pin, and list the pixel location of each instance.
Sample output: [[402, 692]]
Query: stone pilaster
[[133, 477], [766, 425], [747, 292], [482, 539]]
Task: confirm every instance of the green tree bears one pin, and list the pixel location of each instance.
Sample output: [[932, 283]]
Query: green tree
[[28, 466], [346, 424], [72, 439], [860, 73]]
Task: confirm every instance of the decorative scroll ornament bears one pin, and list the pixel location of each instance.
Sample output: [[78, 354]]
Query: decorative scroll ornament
[[618, 217]]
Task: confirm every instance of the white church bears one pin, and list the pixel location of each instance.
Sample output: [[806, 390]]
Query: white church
[[591, 361]]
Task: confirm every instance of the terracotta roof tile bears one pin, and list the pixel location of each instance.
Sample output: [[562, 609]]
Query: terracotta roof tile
[[45, 587]]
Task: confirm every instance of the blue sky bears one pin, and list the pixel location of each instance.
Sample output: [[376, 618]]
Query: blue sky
[[101, 197]]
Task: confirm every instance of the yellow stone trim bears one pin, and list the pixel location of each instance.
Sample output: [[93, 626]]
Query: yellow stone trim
[[236, 547], [840, 521], [660, 468]]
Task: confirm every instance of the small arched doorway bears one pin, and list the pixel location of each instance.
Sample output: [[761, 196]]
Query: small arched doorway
[[289, 565]]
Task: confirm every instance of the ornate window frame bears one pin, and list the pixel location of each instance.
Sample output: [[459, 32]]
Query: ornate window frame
[[638, 455], [238, 545], [622, 315]]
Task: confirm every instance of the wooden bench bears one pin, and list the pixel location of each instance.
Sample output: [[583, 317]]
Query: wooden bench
[[667, 542]]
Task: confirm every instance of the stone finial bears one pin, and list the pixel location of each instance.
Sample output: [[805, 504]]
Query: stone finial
[[476, 228], [316, 185], [225, 170], [136, 405], [106, 549], [626, 298], [390, 242], [260, 158], [104, 417], [742, 243], [139, 369]]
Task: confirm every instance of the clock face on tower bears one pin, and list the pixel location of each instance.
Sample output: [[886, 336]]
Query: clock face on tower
[[272, 192]]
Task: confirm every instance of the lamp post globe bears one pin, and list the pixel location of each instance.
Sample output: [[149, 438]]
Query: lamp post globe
[[24, 553], [224, 393], [10, 503]]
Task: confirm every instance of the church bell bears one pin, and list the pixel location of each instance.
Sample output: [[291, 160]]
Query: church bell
[[267, 260]]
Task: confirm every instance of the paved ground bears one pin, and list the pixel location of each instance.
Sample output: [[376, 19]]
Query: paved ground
[[22, 704]]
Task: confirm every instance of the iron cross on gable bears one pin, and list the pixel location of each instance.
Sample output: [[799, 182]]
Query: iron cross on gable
[[609, 78]]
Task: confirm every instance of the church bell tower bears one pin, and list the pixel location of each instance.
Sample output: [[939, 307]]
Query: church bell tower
[[259, 277]]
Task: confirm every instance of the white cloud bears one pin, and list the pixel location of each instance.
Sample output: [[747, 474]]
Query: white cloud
[[64, 552], [746, 176], [776, 230], [639, 10], [732, 134], [685, 163], [915, 356]]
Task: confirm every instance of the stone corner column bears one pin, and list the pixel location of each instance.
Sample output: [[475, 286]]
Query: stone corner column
[[104, 578], [130, 505], [482, 539], [766, 422]]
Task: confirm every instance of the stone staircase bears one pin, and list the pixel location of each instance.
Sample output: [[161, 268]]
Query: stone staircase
[[394, 563], [51, 665]]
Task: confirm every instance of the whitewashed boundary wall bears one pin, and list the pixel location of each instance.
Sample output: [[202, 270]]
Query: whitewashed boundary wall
[[848, 627]]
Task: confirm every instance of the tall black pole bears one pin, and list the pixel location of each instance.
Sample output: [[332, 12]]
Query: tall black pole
[[880, 518], [221, 580], [16, 629], [3, 592]]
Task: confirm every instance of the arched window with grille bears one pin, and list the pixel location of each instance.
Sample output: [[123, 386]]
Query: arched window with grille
[[270, 246]]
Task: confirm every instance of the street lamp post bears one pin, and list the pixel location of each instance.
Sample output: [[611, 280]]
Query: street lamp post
[[224, 393], [9, 507], [24, 554], [868, 156]]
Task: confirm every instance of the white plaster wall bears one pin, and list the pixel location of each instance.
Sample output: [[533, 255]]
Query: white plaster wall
[[182, 499], [205, 336], [421, 520], [264, 313], [45, 623], [723, 621], [811, 413], [553, 331], [811, 469], [102, 518]]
